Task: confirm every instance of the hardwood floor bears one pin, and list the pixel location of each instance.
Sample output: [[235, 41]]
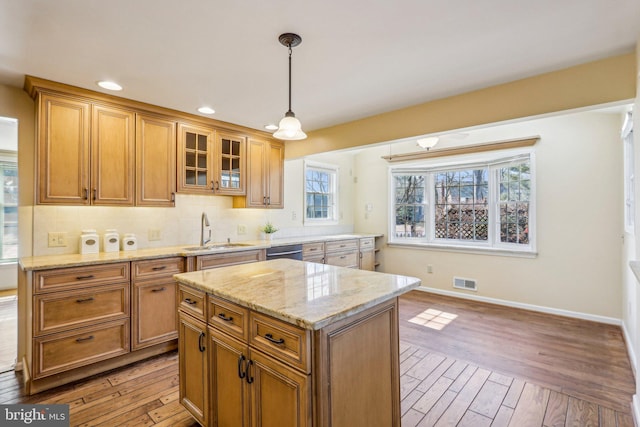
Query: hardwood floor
[[483, 365]]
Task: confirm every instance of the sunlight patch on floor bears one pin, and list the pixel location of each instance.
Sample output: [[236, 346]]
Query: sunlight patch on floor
[[434, 319]]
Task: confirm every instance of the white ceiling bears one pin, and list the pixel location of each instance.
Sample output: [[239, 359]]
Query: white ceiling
[[357, 57]]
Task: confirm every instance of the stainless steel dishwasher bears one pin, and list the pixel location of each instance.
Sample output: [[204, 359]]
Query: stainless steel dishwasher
[[286, 251]]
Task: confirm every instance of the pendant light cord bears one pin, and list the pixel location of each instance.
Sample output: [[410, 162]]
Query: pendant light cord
[[289, 78]]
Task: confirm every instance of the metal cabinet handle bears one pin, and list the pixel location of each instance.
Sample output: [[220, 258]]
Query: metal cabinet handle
[[241, 372], [173, 197], [159, 289], [190, 301], [269, 337], [90, 276], [89, 338], [217, 186], [80, 301], [95, 194], [201, 346], [248, 371], [162, 267], [86, 193], [225, 318]]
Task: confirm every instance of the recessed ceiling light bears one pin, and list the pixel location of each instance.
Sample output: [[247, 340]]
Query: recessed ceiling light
[[271, 126], [105, 84], [206, 110]]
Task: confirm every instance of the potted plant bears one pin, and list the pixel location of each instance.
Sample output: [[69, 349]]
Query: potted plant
[[268, 229]]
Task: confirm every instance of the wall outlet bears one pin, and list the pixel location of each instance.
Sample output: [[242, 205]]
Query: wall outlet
[[57, 239], [293, 215], [154, 234], [242, 229], [429, 268]]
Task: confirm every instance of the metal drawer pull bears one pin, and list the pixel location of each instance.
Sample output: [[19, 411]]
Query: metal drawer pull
[[343, 257], [80, 301], [248, 373], [159, 268], [89, 338], [90, 276], [241, 372], [270, 338], [190, 301], [225, 318], [201, 346], [159, 290]]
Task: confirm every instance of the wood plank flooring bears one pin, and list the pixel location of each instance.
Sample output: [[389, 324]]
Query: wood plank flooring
[[483, 366]]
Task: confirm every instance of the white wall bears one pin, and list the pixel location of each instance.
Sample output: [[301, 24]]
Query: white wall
[[579, 162], [181, 225]]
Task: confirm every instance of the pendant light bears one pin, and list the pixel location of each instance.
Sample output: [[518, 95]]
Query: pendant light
[[290, 128]]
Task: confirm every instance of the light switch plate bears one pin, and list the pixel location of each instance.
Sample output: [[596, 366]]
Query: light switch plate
[[242, 229], [57, 239]]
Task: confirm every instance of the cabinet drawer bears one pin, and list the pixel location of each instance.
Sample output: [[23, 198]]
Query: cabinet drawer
[[312, 250], [55, 312], [191, 301], [341, 245], [229, 317], [80, 277], [283, 341], [154, 268], [67, 350], [316, 258], [343, 259], [205, 262], [367, 243]]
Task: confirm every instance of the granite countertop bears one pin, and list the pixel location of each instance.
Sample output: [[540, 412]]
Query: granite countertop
[[46, 262], [306, 294]]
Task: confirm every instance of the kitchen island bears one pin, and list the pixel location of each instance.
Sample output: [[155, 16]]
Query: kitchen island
[[290, 343]]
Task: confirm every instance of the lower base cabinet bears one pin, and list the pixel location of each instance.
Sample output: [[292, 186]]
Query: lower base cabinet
[[261, 375]]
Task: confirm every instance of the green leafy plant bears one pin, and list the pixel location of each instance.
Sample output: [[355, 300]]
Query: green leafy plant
[[269, 228]]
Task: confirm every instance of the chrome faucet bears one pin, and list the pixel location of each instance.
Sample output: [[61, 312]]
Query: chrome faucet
[[204, 222]]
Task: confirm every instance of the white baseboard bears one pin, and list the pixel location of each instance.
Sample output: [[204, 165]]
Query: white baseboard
[[630, 350], [635, 409], [539, 308]]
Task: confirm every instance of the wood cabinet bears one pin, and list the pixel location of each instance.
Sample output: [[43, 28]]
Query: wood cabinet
[[210, 161], [194, 367], [155, 161], [367, 247], [265, 175], [343, 253], [205, 262], [313, 252], [85, 152], [267, 372], [154, 315]]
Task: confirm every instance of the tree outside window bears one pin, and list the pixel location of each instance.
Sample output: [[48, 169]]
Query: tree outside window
[[320, 193]]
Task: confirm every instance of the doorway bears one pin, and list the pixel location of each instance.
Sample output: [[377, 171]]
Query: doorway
[[8, 242]]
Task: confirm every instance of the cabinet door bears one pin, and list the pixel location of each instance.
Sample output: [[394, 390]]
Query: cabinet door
[[256, 169], [155, 161], [280, 395], [154, 314], [193, 368], [230, 159], [195, 159], [275, 176], [112, 156], [229, 389], [63, 150], [367, 260]]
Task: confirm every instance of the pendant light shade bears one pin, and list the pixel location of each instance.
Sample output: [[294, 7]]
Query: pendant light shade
[[290, 128]]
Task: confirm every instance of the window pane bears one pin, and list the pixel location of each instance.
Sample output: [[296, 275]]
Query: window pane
[[514, 203], [319, 190]]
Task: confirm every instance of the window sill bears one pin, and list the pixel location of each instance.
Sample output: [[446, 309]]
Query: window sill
[[465, 249]]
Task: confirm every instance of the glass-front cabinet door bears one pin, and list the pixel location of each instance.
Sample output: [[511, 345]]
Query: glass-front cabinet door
[[195, 159], [230, 164]]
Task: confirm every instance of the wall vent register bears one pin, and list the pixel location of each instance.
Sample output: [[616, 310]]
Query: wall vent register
[[467, 284]]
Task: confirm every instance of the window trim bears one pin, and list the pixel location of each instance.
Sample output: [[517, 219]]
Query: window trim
[[493, 161], [333, 170]]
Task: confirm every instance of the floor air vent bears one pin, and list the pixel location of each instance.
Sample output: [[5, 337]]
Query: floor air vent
[[468, 284]]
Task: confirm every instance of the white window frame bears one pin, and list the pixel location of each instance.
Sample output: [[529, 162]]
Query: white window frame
[[629, 174], [334, 173], [493, 161]]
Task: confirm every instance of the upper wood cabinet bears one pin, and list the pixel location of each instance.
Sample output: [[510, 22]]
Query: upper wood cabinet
[[265, 175], [155, 161], [63, 158], [210, 161]]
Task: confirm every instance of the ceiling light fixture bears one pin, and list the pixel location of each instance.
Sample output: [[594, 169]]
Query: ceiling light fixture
[[206, 110], [428, 142], [105, 84], [290, 128]]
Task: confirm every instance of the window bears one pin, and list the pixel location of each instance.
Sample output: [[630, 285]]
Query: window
[[320, 193], [8, 208], [629, 177], [478, 205]]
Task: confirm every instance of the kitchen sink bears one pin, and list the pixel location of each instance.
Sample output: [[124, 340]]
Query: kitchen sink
[[217, 246]]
